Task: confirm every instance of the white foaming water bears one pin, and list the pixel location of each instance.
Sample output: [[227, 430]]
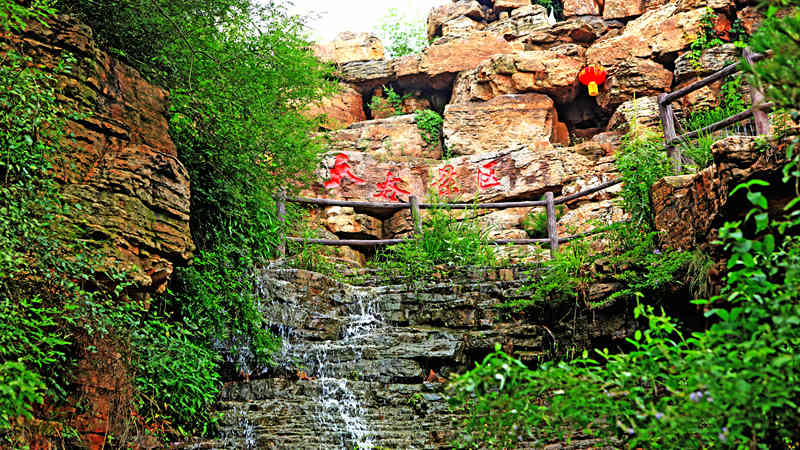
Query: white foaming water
[[339, 409]]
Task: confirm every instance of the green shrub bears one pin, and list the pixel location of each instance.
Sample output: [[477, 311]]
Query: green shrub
[[642, 161], [429, 123], [446, 239], [393, 102]]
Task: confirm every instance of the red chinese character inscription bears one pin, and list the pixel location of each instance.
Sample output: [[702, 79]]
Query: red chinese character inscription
[[389, 188], [341, 169], [487, 177], [447, 180]]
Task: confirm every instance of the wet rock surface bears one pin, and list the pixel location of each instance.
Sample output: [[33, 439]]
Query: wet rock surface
[[372, 359]]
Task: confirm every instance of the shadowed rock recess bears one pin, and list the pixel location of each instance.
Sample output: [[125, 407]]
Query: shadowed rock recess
[[371, 360]]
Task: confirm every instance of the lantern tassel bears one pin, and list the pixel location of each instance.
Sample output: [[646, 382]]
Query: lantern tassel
[[593, 89]]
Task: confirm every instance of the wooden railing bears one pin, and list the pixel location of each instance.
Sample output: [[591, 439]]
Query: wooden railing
[[549, 203], [758, 111]]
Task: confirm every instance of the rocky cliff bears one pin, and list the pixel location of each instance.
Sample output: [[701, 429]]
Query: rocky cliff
[[119, 162], [516, 121]]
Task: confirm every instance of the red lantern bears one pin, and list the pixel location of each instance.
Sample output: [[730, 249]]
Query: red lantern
[[593, 76]]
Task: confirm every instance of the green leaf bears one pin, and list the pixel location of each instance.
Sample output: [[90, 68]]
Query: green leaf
[[757, 199]]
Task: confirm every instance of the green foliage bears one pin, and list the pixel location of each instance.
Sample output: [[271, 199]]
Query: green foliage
[[15, 16], [709, 37], [642, 161], [239, 73], [401, 34], [393, 103], [429, 123], [733, 385], [448, 238], [535, 223], [20, 388], [732, 102], [556, 6]]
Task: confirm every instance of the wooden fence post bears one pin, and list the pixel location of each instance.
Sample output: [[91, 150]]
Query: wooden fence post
[[281, 206], [668, 122], [552, 224], [415, 215], [760, 117]]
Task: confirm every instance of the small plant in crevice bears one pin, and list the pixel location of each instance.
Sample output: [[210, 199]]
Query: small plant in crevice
[[715, 32], [535, 223], [642, 161], [429, 123], [392, 105]]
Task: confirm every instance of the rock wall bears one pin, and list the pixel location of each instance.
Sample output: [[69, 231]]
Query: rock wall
[[517, 122], [365, 366], [119, 163]]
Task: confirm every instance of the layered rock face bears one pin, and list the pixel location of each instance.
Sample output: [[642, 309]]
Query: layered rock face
[[689, 209], [372, 360], [121, 165], [516, 121]]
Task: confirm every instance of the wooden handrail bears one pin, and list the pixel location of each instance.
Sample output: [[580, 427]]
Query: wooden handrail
[[722, 123], [722, 73], [549, 203]]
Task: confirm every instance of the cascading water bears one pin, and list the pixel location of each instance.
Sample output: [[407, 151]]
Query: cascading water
[[330, 363]]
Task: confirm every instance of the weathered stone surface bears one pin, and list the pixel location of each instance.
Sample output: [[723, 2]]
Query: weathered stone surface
[[345, 222], [642, 111], [626, 57], [711, 60], [582, 7], [504, 5], [342, 109], [350, 47], [689, 209], [591, 215], [373, 387], [461, 53], [515, 119], [447, 12], [685, 5], [750, 18], [522, 22], [461, 26], [121, 166], [634, 77], [389, 138], [545, 71], [367, 74], [620, 9]]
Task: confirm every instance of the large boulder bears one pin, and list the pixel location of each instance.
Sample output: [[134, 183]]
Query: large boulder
[[522, 22], [339, 110], [629, 57], [390, 138], [621, 9], [710, 60], [501, 123], [544, 71], [582, 7], [350, 47], [441, 15], [461, 53]]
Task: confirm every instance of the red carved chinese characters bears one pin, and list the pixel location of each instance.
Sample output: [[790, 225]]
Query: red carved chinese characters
[[341, 169], [447, 182], [487, 177], [389, 188]]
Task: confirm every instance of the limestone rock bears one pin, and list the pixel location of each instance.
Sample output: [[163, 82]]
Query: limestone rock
[[121, 166], [685, 5], [504, 5], [345, 222], [750, 18], [620, 9], [515, 120], [633, 78], [643, 111], [590, 215], [461, 26], [544, 71], [522, 22], [389, 138], [342, 109], [689, 208], [350, 47], [461, 53], [366, 74], [442, 14], [582, 7], [711, 60]]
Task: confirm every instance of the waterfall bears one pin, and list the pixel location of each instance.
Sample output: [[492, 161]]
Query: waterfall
[[330, 363]]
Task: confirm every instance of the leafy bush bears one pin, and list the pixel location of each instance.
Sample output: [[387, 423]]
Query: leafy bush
[[641, 161], [445, 239], [402, 35], [429, 123], [392, 104]]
